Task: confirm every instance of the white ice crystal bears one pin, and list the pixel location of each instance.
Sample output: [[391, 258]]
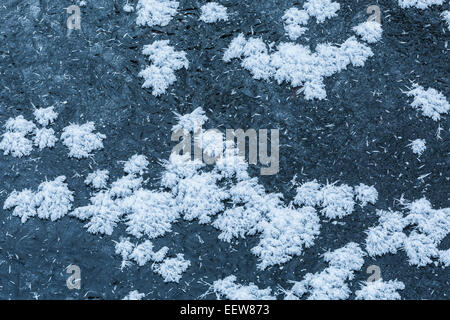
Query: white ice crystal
[[444, 257], [134, 295], [137, 164], [98, 179], [52, 200], [191, 122], [418, 146], [45, 116], [420, 249], [294, 20], [337, 201], [20, 124], [142, 253], [14, 140], [81, 140], [213, 12], [431, 102], [128, 7], [308, 194], [155, 12], [330, 284], [321, 9], [16, 144], [380, 290], [44, 138], [446, 16], [420, 4], [172, 269], [228, 288], [165, 61], [296, 64], [149, 213], [369, 31], [366, 194], [388, 236], [286, 233]]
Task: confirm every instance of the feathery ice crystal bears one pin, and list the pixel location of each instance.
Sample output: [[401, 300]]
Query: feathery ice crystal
[[295, 63], [446, 16], [229, 289], [97, 179], [52, 200], [45, 116], [155, 12], [369, 31], [14, 140], [165, 61], [81, 140], [294, 20], [418, 146], [420, 4], [321, 9], [380, 290], [172, 268], [213, 12], [431, 102], [330, 284], [134, 295]]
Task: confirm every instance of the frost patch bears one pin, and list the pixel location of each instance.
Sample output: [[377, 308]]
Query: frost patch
[[228, 288], [213, 12], [155, 12], [165, 61], [45, 116], [380, 290], [418, 146], [97, 179], [294, 20], [81, 140], [14, 140], [172, 268], [321, 9], [446, 16], [45, 138], [296, 64], [52, 200], [134, 295], [330, 284], [431, 102], [420, 4], [369, 31]]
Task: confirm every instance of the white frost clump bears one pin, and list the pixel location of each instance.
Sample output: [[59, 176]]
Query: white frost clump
[[418, 146], [285, 234], [444, 257], [81, 140], [52, 200], [337, 201], [296, 64], [141, 253], [213, 12], [128, 8], [165, 61], [388, 236], [45, 116], [369, 31], [330, 284], [171, 269], [134, 295], [136, 164], [430, 227], [191, 122], [155, 12], [431, 102], [308, 194], [14, 140], [44, 137], [366, 194], [446, 16], [229, 289], [420, 4], [97, 179], [293, 20], [380, 290], [321, 9]]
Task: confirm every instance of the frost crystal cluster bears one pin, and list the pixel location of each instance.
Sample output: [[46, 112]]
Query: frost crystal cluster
[[420, 4], [81, 139], [165, 61], [228, 288], [431, 102], [155, 12], [213, 12], [380, 290], [369, 31]]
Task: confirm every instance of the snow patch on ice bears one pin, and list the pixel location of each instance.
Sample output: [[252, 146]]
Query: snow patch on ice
[[228, 288], [155, 12], [81, 140], [213, 12], [431, 102]]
